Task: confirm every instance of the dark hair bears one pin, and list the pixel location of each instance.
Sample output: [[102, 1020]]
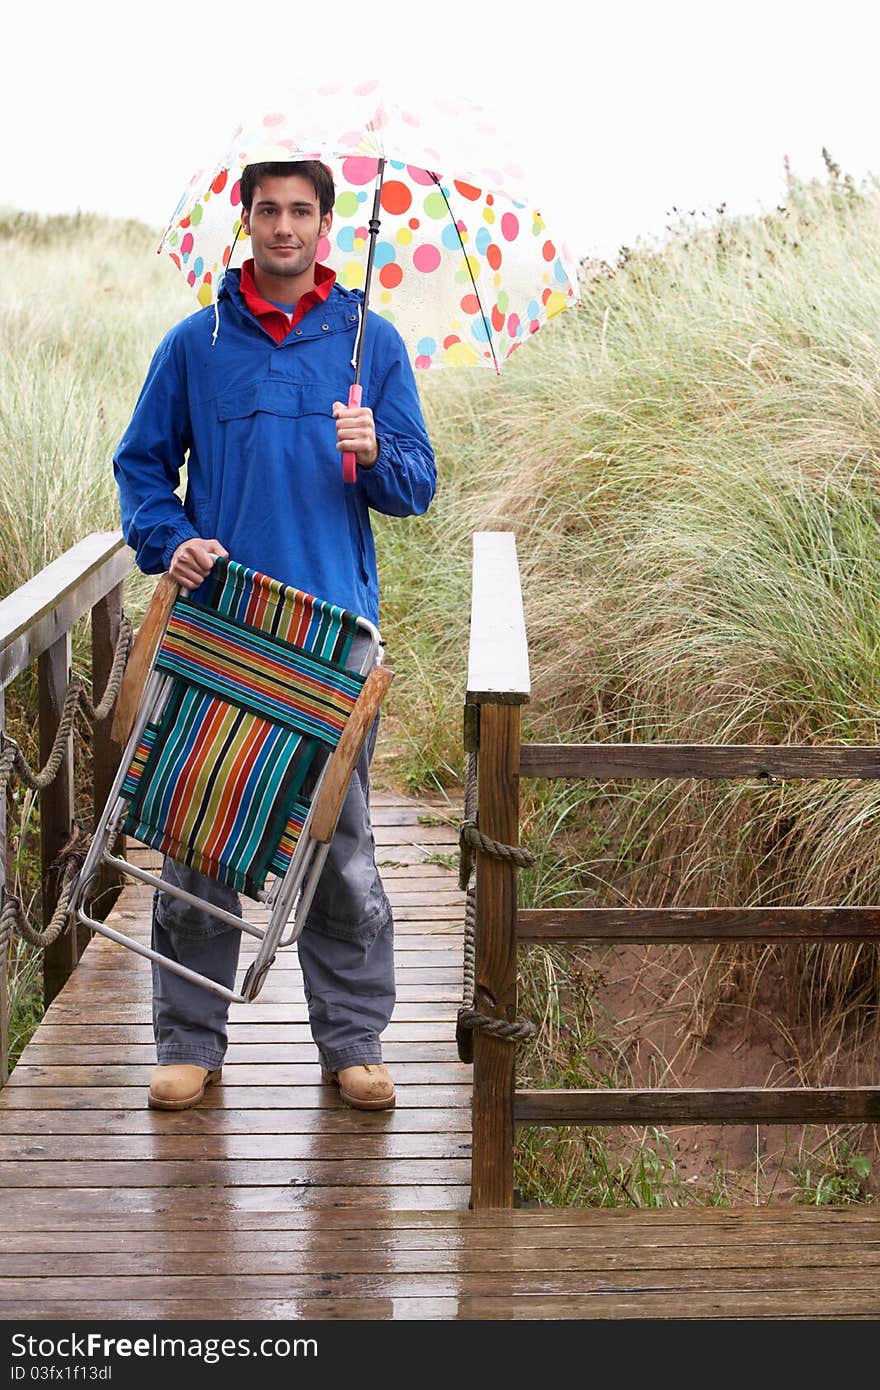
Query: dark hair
[[318, 174]]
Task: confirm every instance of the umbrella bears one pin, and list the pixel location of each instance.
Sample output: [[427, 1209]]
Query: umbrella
[[449, 249]]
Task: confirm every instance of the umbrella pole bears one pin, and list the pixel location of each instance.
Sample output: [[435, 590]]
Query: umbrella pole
[[349, 463]]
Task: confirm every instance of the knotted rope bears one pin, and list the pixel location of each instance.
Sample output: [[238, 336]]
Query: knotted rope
[[471, 842], [13, 916]]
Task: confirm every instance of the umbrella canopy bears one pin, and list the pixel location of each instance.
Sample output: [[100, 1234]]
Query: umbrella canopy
[[464, 266]]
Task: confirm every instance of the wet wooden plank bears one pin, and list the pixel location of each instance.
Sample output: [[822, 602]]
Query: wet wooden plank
[[135, 989], [243, 1210], [106, 1033], [400, 855], [438, 954], [443, 835], [640, 1306], [276, 1073], [432, 936], [396, 1284], [224, 1204], [311, 1255], [30, 1150], [262, 1054], [414, 813], [130, 1090], [95, 1014], [621, 1244], [221, 1203], [202, 1120], [425, 964], [432, 876], [201, 1173]]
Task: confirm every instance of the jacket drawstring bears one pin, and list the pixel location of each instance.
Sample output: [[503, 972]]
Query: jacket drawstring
[[220, 280], [357, 337]]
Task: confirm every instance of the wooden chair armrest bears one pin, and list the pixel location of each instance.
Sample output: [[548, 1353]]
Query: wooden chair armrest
[[140, 658], [347, 751]]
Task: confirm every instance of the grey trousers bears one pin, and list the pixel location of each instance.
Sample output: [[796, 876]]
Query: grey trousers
[[346, 951]]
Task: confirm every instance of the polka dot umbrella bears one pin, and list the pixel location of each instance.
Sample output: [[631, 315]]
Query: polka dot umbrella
[[457, 259]]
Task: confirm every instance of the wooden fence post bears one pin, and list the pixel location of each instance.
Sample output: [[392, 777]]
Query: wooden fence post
[[495, 958], [106, 619], [498, 684]]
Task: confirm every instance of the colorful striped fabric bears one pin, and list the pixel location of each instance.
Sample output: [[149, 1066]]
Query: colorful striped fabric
[[253, 598], [288, 842], [217, 782], [139, 761], [257, 672]]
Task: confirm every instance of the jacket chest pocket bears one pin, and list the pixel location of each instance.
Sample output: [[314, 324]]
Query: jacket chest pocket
[[285, 399]]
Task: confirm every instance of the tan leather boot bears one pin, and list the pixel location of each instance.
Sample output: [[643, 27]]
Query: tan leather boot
[[367, 1087], [181, 1085]]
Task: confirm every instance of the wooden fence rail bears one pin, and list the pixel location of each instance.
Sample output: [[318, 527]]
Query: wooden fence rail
[[36, 622], [498, 685]]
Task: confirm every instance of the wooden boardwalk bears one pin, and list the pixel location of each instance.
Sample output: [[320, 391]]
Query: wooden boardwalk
[[273, 1200]]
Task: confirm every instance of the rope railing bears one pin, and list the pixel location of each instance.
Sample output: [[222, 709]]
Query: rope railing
[[471, 843], [13, 916]]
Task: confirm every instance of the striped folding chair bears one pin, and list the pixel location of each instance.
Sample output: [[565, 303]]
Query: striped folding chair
[[245, 740]]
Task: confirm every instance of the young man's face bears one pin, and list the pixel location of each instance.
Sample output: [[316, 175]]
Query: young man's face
[[284, 225]]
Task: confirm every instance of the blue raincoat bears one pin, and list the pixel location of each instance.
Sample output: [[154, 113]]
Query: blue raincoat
[[264, 475]]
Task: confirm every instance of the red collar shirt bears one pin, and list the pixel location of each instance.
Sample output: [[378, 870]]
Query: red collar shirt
[[274, 320]]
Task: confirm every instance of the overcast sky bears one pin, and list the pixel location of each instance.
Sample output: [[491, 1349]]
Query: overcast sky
[[622, 112]]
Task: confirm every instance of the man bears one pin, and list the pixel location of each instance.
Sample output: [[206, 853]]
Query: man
[[250, 394]]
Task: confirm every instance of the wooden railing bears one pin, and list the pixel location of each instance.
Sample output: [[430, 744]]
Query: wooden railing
[[35, 626], [498, 685]]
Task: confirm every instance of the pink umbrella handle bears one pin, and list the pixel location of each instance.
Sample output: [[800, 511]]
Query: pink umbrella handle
[[349, 462]]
